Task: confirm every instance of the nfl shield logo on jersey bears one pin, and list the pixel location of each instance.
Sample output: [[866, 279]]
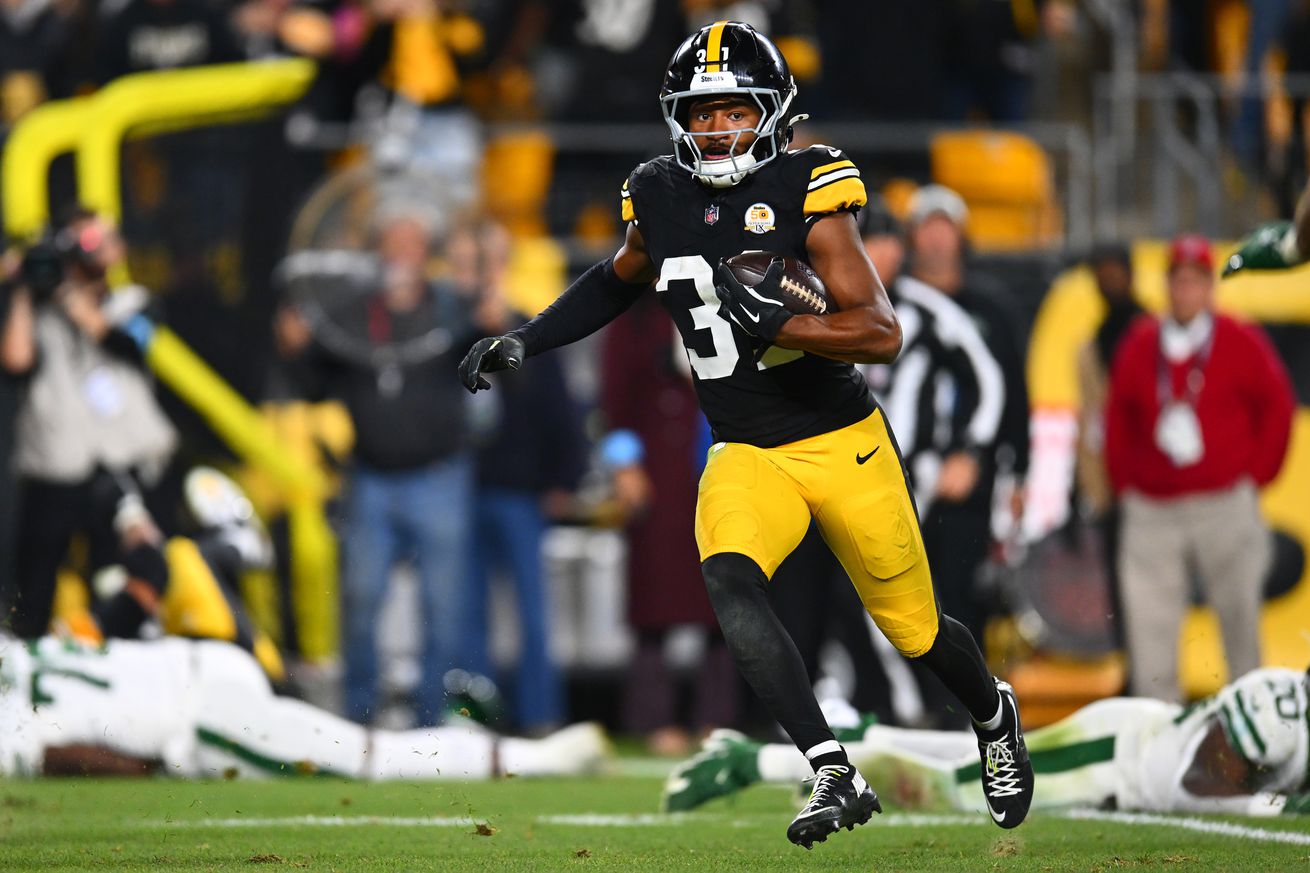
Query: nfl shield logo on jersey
[[712, 214]]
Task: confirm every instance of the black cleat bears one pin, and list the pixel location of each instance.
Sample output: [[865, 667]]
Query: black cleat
[[1007, 774], [840, 799]]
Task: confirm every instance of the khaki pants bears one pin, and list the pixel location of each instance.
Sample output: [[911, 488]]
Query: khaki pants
[[1218, 535]]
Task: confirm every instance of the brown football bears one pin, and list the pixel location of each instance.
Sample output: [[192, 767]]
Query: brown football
[[802, 291]]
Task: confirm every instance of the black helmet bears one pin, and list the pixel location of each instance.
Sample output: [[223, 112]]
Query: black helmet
[[728, 57]]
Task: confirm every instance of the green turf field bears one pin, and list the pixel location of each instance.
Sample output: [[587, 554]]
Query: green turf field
[[576, 824]]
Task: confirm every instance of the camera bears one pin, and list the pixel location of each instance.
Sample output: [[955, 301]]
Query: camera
[[42, 269], [46, 262]]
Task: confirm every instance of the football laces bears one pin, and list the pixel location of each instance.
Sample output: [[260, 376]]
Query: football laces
[[808, 297]]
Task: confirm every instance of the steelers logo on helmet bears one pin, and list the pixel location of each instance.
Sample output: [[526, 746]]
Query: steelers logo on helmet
[[728, 58]]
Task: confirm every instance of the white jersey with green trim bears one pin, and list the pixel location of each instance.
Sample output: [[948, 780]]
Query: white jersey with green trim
[[204, 709], [133, 697], [1132, 752], [1266, 719]]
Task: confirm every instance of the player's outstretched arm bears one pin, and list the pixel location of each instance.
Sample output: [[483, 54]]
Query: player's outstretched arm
[[865, 329], [1277, 245], [599, 296]]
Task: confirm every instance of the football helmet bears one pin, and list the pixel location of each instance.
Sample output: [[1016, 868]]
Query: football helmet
[[728, 57], [219, 507]]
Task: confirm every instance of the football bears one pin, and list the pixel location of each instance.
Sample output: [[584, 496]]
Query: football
[[803, 292]]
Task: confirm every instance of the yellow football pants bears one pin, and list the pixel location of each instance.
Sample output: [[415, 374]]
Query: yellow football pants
[[759, 502]]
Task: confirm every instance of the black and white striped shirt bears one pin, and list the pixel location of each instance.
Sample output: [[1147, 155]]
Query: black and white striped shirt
[[945, 392]]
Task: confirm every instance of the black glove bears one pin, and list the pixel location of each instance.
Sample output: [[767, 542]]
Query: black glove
[[488, 355], [754, 312]]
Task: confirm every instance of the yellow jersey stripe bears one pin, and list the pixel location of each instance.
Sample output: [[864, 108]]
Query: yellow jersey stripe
[[841, 194], [714, 47], [835, 165]]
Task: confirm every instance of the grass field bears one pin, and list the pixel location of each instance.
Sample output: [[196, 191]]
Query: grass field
[[574, 824]]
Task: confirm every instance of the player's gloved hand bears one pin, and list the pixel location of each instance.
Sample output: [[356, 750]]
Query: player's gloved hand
[[1271, 247], [488, 355], [758, 315]]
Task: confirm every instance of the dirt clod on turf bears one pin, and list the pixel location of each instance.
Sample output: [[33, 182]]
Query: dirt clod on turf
[[582, 853], [485, 830], [265, 859], [1006, 846]]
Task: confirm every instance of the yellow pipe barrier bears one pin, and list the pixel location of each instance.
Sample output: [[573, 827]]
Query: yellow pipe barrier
[[240, 424], [200, 95], [42, 135]]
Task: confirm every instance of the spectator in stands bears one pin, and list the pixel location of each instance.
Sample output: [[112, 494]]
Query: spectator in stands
[[1112, 268], [591, 63], [161, 35], [419, 50], [646, 390], [526, 471], [409, 490], [35, 38], [957, 531], [851, 62], [88, 418], [1198, 417], [989, 59]]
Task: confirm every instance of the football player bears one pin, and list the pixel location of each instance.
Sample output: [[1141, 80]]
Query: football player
[[1277, 245], [185, 585], [203, 709], [1243, 751], [798, 434]]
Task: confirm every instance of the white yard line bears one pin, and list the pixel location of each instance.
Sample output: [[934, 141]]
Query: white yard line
[[324, 821], [604, 820], [895, 820], [1205, 826]]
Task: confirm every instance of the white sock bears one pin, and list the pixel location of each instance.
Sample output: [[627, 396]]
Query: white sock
[[995, 721], [782, 762]]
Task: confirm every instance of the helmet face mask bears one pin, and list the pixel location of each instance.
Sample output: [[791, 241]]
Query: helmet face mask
[[749, 67], [724, 172]]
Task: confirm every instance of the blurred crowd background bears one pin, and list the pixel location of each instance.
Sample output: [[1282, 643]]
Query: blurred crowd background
[[313, 231]]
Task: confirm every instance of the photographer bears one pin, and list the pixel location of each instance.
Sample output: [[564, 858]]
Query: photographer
[[88, 417]]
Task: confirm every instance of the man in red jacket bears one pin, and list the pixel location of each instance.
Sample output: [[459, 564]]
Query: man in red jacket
[[1199, 415]]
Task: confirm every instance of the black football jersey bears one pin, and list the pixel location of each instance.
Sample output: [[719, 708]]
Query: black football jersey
[[688, 228]]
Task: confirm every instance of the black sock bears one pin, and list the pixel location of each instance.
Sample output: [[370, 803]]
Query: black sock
[[955, 659], [763, 651]]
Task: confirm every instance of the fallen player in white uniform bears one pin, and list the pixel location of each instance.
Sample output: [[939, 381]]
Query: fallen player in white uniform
[[1244, 751], [204, 709]]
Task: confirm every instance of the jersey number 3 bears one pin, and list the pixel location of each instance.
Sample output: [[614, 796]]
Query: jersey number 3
[[695, 269]]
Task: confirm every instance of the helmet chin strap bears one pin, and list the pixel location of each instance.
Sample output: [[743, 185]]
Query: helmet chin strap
[[725, 172]]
